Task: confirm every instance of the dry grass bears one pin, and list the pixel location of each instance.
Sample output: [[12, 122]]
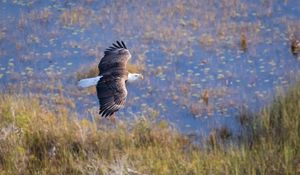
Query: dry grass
[[37, 140]]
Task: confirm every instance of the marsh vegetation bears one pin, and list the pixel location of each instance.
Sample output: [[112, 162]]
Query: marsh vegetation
[[201, 63], [35, 139], [214, 100]]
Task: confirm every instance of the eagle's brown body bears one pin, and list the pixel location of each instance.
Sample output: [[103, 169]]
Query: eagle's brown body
[[111, 88]]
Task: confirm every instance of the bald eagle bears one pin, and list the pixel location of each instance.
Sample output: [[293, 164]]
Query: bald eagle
[[112, 79]]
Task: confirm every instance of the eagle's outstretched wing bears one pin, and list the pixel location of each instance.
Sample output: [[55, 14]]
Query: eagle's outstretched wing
[[112, 95], [111, 88], [115, 58]]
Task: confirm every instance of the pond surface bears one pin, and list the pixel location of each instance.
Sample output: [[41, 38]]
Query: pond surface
[[203, 61]]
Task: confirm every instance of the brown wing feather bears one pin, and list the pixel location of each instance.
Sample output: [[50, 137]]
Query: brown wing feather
[[111, 88], [112, 93], [115, 58]]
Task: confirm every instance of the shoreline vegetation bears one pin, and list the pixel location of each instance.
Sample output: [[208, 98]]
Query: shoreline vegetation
[[208, 55], [38, 140]]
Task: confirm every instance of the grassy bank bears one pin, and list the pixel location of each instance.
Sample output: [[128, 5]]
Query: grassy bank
[[37, 140]]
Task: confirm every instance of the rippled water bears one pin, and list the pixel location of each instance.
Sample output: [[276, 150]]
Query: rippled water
[[202, 60]]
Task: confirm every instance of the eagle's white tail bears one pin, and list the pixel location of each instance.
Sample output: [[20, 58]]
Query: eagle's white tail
[[87, 82]]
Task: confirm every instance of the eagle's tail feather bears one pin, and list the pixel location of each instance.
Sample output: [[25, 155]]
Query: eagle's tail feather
[[87, 82]]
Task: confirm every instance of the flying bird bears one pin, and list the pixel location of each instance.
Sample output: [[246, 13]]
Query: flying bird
[[295, 46], [112, 79]]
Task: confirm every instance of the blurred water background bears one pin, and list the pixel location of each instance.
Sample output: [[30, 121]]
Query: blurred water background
[[203, 60]]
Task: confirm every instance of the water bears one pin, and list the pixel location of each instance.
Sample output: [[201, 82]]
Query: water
[[197, 74]]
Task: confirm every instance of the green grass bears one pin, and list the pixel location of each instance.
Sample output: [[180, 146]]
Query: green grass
[[37, 140]]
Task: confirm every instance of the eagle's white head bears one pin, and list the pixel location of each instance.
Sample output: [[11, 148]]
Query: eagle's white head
[[132, 77]]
